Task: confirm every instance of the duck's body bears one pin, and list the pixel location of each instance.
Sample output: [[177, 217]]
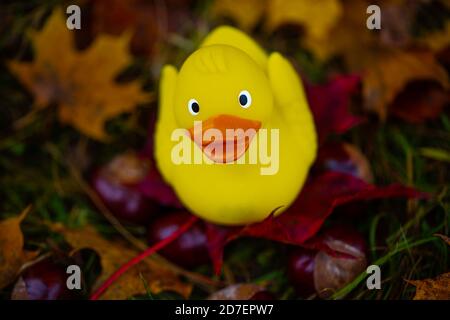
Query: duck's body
[[271, 97]]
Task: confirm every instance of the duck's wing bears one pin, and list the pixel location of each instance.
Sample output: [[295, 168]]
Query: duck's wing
[[230, 36], [165, 122], [290, 99]]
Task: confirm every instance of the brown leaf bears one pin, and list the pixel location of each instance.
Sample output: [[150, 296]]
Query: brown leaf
[[12, 255], [81, 83], [150, 22], [419, 101], [113, 254], [115, 16], [432, 289], [393, 71]]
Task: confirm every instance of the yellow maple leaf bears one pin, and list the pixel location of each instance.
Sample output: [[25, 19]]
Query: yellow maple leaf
[[347, 35], [113, 254], [12, 255], [317, 16], [81, 83], [246, 13]]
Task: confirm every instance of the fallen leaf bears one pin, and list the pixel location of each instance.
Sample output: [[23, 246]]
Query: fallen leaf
[[149, 22], [386, 70], [246, 14], [81, 83], [115, 16], [330, 104], [303, 219], [392, 72], [12, 254], [432, 289], [114, 254], [420, 101], [317, 16], [347, 36]]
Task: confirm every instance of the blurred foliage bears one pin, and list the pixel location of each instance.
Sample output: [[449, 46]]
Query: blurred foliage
[[37, 152]]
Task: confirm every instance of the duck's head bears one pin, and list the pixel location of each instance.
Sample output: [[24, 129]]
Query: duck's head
[[222, 87]]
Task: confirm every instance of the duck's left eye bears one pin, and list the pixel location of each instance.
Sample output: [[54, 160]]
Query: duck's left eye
[[245, 99]]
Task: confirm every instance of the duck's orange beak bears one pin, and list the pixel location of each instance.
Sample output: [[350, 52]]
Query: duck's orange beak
[[230, 139]]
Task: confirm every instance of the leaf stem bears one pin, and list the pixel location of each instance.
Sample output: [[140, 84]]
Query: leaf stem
[[161, 244]]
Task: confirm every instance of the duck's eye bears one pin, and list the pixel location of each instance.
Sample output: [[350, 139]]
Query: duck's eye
[[245, 99], [194, 107]]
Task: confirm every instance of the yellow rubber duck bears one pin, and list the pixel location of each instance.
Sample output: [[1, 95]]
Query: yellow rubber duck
[[230, 83]]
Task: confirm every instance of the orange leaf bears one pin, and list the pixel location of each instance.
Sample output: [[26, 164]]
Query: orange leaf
[[12, 255], [390, 74], [246, 13], [433, 289], [115, 253], [317, 16], [81, 83]]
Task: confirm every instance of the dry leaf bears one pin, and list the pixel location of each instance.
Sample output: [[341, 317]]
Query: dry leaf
[[113, 254], [433, 289], [115, 16], [348, 37], [317, 16], [81, 83], [419, 101], [246, 14], [390, 74], [12, 255]]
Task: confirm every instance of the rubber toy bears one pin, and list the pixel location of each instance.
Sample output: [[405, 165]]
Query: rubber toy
[[228, 84]]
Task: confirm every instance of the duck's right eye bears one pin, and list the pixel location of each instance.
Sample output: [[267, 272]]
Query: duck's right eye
[[194, 107]]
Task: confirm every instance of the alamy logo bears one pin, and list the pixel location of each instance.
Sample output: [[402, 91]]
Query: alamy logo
[[374, 280], [74, 20], [74, 280], [374, 20]]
